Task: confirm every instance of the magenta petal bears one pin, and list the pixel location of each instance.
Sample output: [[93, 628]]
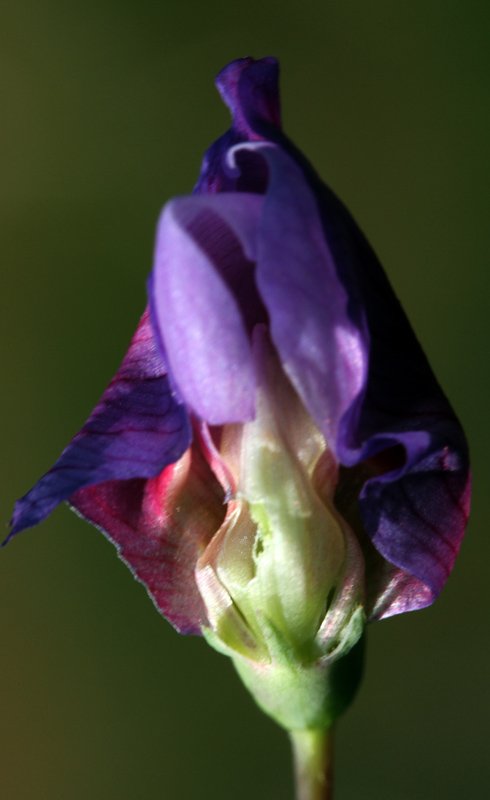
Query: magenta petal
[[396, 592], [136, 429], [204, 247], [160, 527]]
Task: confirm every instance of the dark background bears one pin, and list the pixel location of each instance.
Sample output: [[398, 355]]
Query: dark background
[[106, 110]]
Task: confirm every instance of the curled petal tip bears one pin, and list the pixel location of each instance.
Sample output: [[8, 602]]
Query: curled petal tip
[[250, 89]]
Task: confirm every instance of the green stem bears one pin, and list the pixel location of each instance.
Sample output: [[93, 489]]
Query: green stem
[[313, 764]]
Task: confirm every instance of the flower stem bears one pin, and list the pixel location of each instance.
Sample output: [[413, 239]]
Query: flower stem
[[313, 764]]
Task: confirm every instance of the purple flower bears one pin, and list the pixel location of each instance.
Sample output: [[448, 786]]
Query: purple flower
[[262, 270]]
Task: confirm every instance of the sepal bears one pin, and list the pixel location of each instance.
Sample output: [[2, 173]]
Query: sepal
[[310, 696]]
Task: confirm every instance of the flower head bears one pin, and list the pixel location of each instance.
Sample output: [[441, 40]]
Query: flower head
[[274, 460]]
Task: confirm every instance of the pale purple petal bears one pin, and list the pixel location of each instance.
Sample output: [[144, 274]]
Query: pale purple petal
[[322, 351], [204, 301]]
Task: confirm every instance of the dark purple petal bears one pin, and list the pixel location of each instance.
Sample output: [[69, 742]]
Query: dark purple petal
[[135, 430], [203, 300], [160, 528], [416, 516]]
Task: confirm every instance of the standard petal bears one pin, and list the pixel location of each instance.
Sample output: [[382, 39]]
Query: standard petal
[[204, 301], [136, 429], [160, 528]]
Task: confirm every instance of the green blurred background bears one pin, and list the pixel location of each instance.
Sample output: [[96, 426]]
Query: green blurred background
[[106, 109]]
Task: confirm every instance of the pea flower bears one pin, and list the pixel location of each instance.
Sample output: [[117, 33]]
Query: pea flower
[[274, 460]]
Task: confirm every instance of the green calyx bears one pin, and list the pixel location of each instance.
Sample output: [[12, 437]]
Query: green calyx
[[302, 695], [283, 578]]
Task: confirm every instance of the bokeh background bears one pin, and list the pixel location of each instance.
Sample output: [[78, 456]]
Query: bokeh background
[[107, 106]]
